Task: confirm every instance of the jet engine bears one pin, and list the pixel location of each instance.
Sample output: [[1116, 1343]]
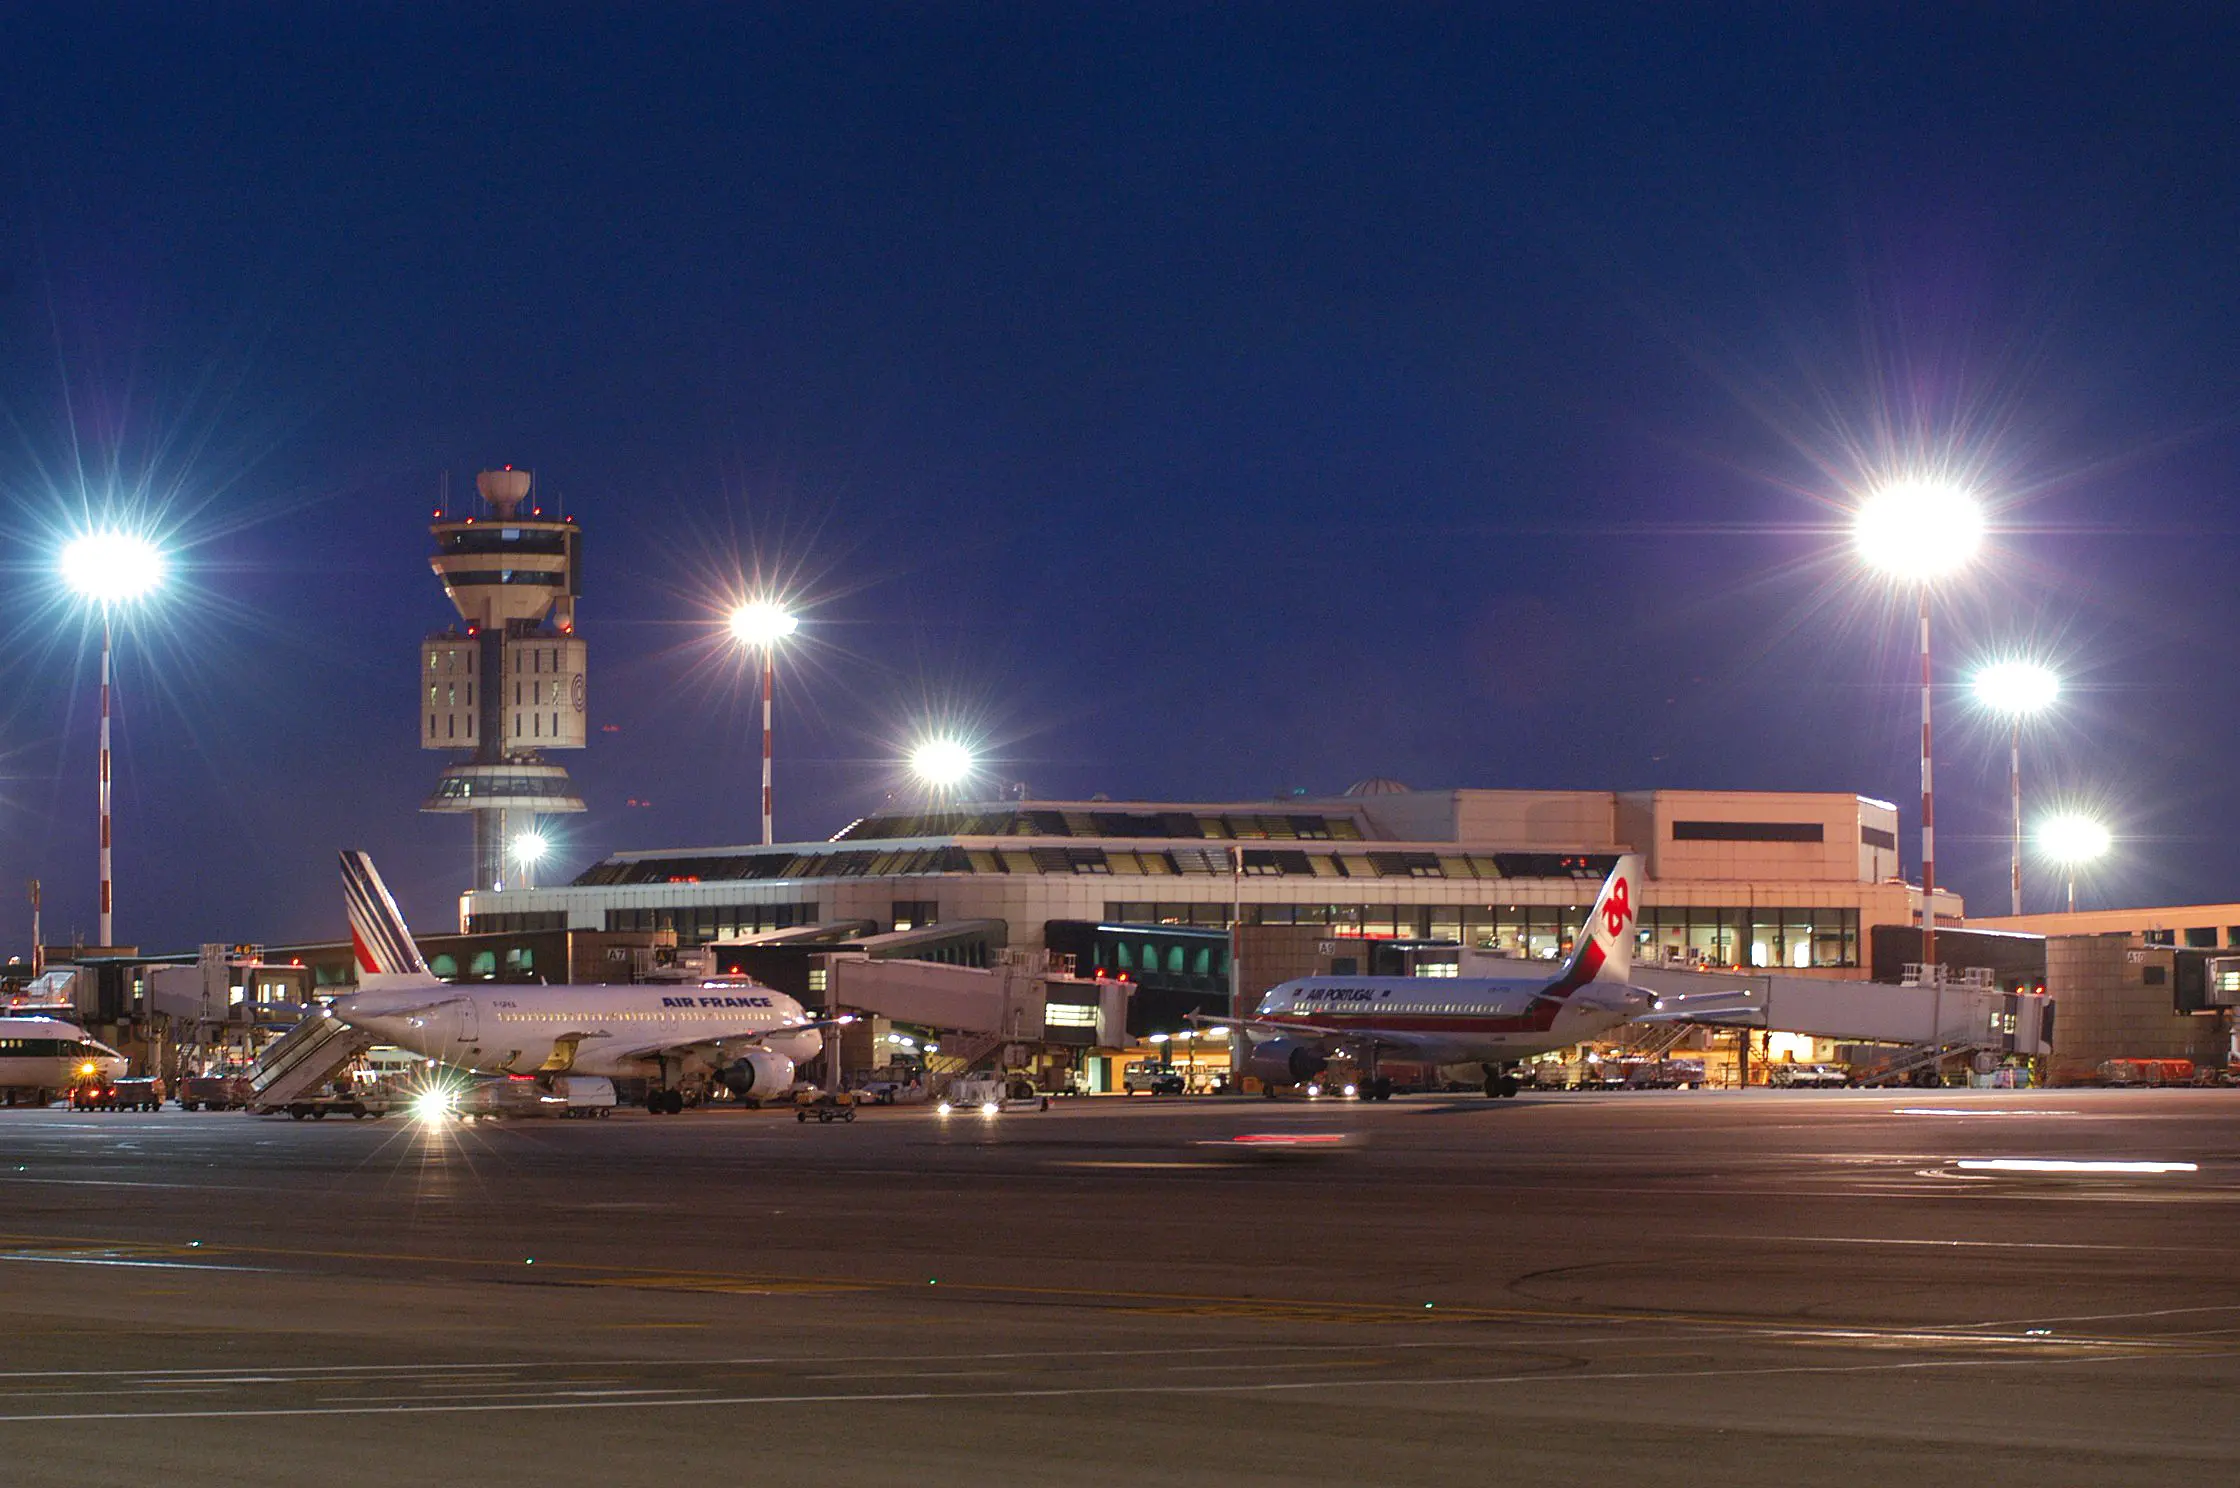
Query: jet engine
[[1286, 1061], [759, 1073]]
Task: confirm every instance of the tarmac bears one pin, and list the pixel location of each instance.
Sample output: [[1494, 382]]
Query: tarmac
[[1637, 1287]]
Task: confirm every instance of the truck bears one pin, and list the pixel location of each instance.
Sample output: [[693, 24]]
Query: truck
[[340, 1097], [126, 1093], [214, 1092], [2130, 1072], [567, 1095]]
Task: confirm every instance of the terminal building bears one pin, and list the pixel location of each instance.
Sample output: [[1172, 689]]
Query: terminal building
[[1381, 879]]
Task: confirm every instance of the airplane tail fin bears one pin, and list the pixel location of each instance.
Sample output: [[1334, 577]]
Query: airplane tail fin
[[387, 957], [1604, 950]]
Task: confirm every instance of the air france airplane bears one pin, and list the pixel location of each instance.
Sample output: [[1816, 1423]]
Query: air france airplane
[[1300, 1025], [748, 1036]]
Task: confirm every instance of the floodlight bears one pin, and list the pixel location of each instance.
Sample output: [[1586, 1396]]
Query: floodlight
[[941, 762], [1918, 529], [760, 622], [111, 567], [2073, 839], [2017, 689]]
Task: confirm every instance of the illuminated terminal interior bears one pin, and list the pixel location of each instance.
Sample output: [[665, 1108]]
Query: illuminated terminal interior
[[1787, 879]]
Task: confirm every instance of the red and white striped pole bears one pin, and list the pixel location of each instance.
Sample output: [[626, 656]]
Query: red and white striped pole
[[108, 906], [769, 680], [2014, 780], [1928, 808]]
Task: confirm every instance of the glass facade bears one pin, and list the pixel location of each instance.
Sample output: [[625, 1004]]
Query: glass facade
[[697, 924], [1755, 936]]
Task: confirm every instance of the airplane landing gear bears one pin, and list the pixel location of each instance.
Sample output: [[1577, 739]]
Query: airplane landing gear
[[665, 1102], [1499, 1083]]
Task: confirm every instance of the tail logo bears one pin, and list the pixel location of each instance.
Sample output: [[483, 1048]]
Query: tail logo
[[383, 944], [1618, 910]]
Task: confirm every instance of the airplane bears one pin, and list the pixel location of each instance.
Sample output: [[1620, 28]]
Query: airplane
[[750, 1037], [40, 1056], [1492, 1022]]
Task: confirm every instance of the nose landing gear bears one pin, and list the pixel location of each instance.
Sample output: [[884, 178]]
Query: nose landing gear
[[1500, 1084]]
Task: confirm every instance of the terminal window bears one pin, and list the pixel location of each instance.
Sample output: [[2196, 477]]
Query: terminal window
[[1719, 831]]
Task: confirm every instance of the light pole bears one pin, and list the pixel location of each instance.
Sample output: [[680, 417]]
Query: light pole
[[2019, 690], [1917, 532], [2073, 841], [764, 623], [109, 568]]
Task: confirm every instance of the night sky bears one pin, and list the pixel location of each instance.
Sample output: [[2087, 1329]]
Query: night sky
[[1190, 403]]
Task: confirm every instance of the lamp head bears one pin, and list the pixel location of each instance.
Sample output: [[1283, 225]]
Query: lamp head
[[111, 566], [2017, 689], [1918, 530], [941, 763], [2073, 839], [762, 622]]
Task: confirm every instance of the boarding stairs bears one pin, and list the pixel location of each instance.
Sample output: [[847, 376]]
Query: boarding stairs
[[959, 1052], [1919, 1064], [304, 1058], [1657, 1040]]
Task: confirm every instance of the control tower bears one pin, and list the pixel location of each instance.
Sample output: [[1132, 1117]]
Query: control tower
[[511, 686]]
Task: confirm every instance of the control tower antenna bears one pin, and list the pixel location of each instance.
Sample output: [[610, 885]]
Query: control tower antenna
[[512, 686]]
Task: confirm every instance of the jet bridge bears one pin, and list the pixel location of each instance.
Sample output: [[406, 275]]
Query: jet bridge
[[1961, 1014], [1019, 999]]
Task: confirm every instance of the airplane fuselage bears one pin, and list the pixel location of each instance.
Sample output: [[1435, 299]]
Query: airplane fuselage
[[617, 1031], [1446, 1020]]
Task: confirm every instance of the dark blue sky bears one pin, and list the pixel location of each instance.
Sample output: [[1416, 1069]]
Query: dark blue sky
[[1198, 402]]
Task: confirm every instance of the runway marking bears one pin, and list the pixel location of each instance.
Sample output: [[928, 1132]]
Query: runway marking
[[1309, 1310], [1965, 1244], [123, 1183], [746, 1286], [1975, 1111], [158, 1257], [555, 1396], [1058, 1392]]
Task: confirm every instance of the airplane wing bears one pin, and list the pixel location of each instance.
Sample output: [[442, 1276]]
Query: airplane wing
[[671, 1050], [404, 1009], [1262, 1025], [1354, 1038], [1726, 1009]]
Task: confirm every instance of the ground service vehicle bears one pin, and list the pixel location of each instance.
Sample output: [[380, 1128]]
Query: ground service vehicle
[[214, 1093], [1149, 1074], [2146, 1072], [1809, 1076], [337, 1100], [838, 1105], [144, 1093]]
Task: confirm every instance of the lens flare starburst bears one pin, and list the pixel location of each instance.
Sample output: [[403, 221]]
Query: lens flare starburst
[[111, 566]]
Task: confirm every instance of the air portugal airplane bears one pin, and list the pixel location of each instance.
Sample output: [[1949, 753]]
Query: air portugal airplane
[[1490, 1021], [673, 1035]]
